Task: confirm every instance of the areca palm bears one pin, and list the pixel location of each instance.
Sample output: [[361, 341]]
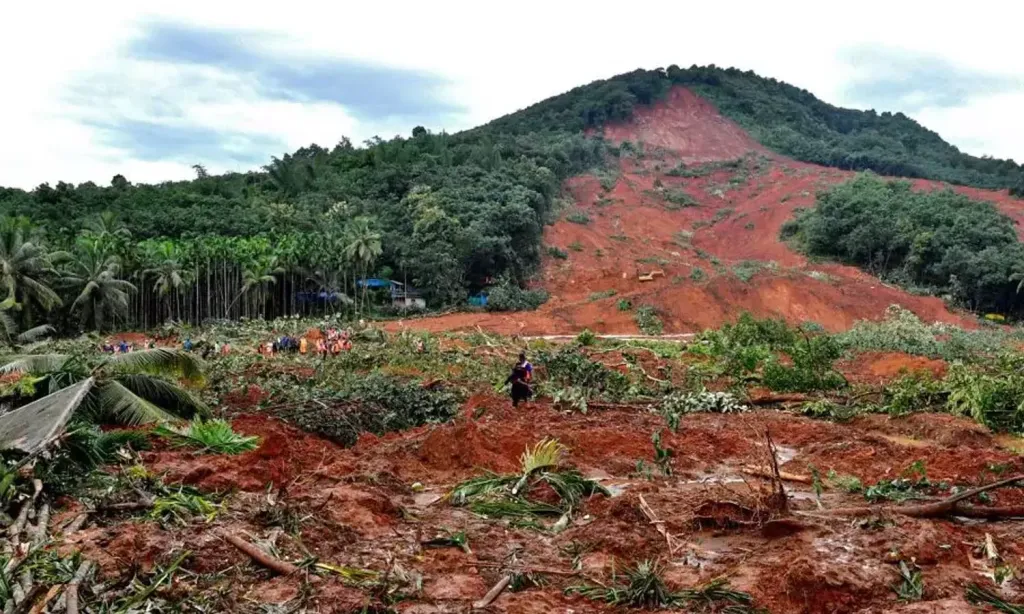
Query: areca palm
[[260, 273], [24, 266], [108, 225], [92, 272], [363, 246], [133, 388]]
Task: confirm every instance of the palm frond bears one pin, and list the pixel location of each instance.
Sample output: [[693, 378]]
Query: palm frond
[[213, 435], [160, 361], [34, 334], [479, 486], [547, 453], [165, 395], [34, 363], [118, 404]]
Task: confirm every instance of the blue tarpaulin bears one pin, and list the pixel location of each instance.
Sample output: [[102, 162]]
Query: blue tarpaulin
[[374, 283]]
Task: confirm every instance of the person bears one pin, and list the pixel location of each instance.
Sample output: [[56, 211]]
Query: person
[[188, 344], [520, 391], [303, 346], [321, 348], [123, 347], [225, 349], [526, 366]]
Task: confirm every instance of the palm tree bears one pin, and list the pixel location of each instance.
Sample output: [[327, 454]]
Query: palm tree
[[11, 334], [92, 271], [167, 272], [107, 225], [363, 247], [24, 266], [133, 388], [260, 273]]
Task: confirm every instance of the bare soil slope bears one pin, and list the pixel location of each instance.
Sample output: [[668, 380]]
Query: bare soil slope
[[713, 233]]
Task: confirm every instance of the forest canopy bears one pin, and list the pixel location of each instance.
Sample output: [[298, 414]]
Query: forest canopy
[[938, 242]]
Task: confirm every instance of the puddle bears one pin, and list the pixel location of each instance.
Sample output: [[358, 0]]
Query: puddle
[[785, 454]]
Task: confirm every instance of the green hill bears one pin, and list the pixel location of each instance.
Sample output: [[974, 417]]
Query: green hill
[[451, 214]]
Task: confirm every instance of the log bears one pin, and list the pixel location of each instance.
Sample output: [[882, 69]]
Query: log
[[40, 605], [493, 594], [946, 507], [762, 472], [71, 599], [282, 567]]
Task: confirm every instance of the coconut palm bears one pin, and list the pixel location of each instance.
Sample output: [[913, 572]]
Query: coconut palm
[[24, 266], [167, 272], [92, 272], [132, 388], [362, 247], [107, 225]]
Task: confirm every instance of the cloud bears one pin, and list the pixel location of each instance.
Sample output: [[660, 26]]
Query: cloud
[[277, 71], [151, 141], [898, 80]]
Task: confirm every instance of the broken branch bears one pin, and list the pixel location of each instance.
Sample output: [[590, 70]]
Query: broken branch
[[274, 564]]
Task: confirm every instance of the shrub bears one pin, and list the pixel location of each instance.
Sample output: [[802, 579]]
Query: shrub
[[746, 269], [578, 217], [558, 253], [624, 304], [698, 274], [576, 246], [647, 320], [508, 296], [811, 370]]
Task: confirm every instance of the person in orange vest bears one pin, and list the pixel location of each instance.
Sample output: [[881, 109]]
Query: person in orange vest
[[303, 346]]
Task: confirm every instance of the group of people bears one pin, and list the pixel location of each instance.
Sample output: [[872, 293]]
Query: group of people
[[331, 342], [123, 347]]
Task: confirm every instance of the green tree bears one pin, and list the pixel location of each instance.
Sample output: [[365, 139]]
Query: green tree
[[363, 247], [92, 272], [24, 268], [169, 280]]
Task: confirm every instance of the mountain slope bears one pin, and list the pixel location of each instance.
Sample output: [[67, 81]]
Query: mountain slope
[[711, 225]]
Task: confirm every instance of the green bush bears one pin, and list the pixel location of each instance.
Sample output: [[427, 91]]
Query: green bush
[[624, 304], [698, 274], [812, 368], [507, 296], [578, 217], [558, 253], [603, 294], [647, 320]]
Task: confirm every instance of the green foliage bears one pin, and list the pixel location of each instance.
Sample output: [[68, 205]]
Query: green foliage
[[981, 596], [213, 435], [698, 274], [902, 331], [913, 483], [576, 246], [578, 216], [378, 404], [508, 296], [746, 269], [995, 400], [557, 252], [722, 214], [940, 240], [586, 338], [624, 304], [811, 369], [911, 584], [642, 586], [579, 378], [647, 320], [181, 506]]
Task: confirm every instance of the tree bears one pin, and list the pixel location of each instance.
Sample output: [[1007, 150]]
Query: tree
[[107, 226], [92, 273], [132, 388], [257, 276], [24, 267], [167, 273], [363, 247]]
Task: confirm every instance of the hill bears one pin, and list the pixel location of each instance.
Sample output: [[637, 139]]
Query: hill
[[455, 214]]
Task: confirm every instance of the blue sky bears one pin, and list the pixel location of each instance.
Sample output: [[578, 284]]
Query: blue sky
[[101, 89]]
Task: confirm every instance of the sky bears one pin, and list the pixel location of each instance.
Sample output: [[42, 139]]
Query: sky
[[96, 89]]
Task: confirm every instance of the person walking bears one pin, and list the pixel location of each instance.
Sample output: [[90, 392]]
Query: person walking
[[520, 390], [526, 367]]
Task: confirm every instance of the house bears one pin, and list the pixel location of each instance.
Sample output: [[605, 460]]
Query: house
[[402, 295]]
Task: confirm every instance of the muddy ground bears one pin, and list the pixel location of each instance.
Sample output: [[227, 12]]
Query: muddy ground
[[373, 505]]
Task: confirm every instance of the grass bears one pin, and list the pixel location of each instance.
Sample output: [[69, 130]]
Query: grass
[[747, 269], [209, 436], [979, 595], [624, 304], [722, 214], [576, 246], [698, 274]]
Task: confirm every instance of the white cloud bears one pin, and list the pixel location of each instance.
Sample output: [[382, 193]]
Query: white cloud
[[499, 58]]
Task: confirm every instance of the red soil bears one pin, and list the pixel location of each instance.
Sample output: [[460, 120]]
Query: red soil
[[880, 367], [359, 509], [634, 230]]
